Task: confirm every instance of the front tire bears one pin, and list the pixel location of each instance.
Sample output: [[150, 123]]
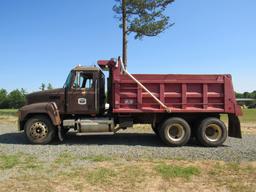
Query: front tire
[[212, 132], [175, 132], [39, 130]]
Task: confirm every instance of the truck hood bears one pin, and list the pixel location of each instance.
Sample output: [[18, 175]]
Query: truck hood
[[45, 96]]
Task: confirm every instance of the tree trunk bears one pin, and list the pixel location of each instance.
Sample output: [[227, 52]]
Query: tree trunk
[[124, 33]]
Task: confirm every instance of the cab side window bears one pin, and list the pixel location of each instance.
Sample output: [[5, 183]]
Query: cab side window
[[89, 83], [83, 81], [78, 81]]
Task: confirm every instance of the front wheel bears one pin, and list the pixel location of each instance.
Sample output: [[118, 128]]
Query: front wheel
[[175, 132], [212, 132], [39, 130]]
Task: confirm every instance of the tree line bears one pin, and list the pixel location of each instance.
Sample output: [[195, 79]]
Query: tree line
[[17, 98], [249, 95]]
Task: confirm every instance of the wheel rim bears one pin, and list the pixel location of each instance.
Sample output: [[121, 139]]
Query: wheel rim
[[176, 132], [213, 132], [39, 130]]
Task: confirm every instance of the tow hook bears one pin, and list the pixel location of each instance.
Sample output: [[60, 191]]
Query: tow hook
[[59, 133]]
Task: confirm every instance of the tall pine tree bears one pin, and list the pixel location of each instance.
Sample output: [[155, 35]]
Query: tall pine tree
[[141, 17]]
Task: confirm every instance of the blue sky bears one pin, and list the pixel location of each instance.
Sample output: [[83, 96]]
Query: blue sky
[[41, 40]]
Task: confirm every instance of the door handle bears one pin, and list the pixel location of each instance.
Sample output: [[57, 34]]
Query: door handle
[[83, 92]]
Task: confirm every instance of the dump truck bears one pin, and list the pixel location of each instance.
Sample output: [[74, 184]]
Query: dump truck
[[178, 107]]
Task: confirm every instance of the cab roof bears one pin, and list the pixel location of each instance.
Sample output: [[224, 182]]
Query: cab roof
[[86, 68]]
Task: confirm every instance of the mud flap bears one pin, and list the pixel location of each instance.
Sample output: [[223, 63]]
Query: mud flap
[[234, 127], [59, 133]]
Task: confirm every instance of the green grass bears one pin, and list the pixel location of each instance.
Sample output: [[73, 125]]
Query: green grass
[[8, 112], [234, 176], [31, 162], [134, 174], [249, 116], [101, 176], [8, 161], [173, 171], [232, 167], [64, 158], [99, 158], [28, 173], [18, 160]]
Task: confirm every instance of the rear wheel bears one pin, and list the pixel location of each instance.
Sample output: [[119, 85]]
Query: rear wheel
[[175, 132], [212, 132], [40, 130]]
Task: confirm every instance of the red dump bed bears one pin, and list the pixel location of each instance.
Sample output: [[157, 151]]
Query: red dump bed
[[181, 93]]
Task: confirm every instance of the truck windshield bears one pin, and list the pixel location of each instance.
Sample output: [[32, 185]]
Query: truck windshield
[[68, 81]]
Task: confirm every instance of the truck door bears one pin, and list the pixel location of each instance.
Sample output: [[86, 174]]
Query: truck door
[[82, 93]]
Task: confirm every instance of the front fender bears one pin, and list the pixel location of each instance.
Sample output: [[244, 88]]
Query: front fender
[[48, 108]]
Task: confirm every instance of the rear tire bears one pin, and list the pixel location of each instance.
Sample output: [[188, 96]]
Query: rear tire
[[212, 132], [39, 130], [175, 132]]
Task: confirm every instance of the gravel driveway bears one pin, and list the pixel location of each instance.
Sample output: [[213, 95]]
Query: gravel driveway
[[127, 144]]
